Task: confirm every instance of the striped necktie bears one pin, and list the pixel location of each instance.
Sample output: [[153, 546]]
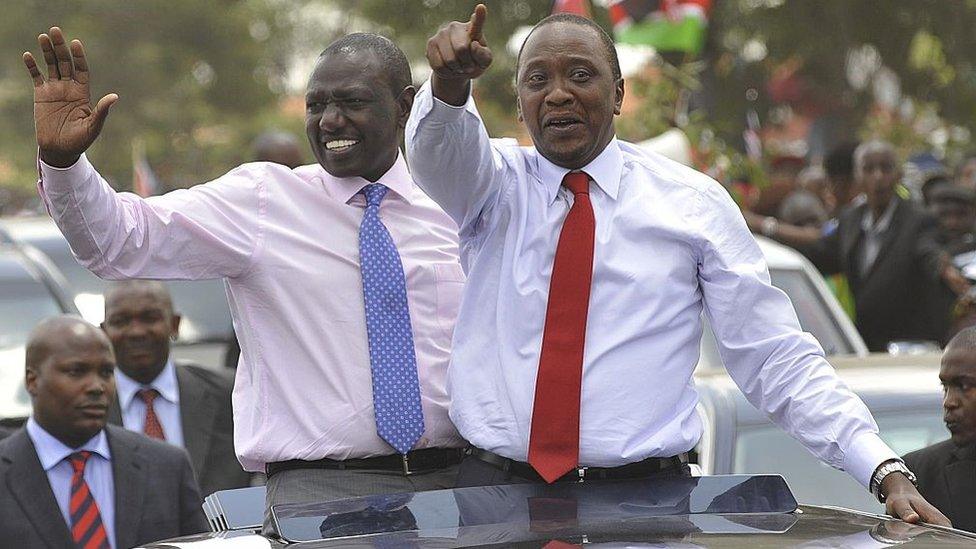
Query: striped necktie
[[87, 529], [393, 362]]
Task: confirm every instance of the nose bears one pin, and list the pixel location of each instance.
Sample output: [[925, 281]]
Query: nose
[[951, 400], [558, 95], [332, 118]]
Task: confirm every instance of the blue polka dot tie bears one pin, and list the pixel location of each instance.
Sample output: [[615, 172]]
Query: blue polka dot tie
[[396, 389]]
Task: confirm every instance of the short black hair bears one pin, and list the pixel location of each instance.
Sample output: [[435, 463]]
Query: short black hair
[[571, 18], [390, 55]]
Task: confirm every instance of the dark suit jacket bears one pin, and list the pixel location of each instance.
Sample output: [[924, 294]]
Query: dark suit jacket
[[208, 427], [947, 479], [898, 298], [156, 496]]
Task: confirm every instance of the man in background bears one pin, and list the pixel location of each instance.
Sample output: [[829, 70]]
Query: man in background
[[947, 471], [184, 404]]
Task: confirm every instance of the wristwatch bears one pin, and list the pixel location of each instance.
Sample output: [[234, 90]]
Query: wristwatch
[[885, 469]]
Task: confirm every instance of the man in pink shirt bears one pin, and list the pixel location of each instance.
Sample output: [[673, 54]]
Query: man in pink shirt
[[343, 277]]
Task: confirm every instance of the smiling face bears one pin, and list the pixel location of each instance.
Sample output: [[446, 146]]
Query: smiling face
[[567, 93], [352, 117], [72, 385], [958, 377], [139, 320]]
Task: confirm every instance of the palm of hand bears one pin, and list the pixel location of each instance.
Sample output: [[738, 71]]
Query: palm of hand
[[62, 116]]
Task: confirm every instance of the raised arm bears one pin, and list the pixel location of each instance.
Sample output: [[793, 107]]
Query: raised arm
[[209, 231], [448, 149]]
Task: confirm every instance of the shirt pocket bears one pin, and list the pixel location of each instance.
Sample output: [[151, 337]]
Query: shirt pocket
[[449, 284]]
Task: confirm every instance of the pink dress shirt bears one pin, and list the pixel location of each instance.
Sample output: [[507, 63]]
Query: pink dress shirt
[[286, 243]]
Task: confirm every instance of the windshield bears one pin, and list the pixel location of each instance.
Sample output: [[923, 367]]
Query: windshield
[[23, 303], [768, 449]]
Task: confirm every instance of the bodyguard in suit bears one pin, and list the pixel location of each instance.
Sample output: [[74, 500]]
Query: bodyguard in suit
[[69, 481], [947, 471], [182, 403], [887, 248]]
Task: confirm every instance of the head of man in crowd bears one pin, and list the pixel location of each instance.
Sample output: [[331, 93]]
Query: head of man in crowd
[[878, 173], [841, 181], [569, 89], [69, 377], [955, 208], [278, 147], [958, 377], [140, 322], [357, 103]]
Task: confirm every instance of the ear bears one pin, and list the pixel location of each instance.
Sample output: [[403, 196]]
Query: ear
[[618, 96], [518, 108], [174, 327], [404, 104], [30, 380]]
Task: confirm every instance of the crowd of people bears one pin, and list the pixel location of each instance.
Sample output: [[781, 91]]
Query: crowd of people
[[564, 284], [898, 257]]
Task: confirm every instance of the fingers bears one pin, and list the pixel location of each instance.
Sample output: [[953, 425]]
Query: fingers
[[481, 55], [61, 53], [477, 24], [47, 49], [928, 513], [80, 61], [35, 73], [448, 56]]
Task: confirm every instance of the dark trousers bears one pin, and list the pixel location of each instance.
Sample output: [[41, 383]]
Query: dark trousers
[[474, 472]]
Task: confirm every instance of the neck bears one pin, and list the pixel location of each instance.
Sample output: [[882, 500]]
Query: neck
[[71, 440]]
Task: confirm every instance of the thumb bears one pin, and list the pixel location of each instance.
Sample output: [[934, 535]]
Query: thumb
[[101, 112], [477, 24]]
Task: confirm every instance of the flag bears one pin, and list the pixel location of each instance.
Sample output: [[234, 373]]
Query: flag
[[579, 7], [751, 137], [144, 182], [666, 25]]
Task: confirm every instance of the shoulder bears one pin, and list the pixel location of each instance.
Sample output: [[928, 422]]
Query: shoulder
[[14, 443], [667, 172], [217, 380], [936, 455], [154, 450]]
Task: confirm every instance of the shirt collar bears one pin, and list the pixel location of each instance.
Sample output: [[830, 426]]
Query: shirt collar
[[605, 170], [397, 179], [165, 385], [868, 223], [51, 451]]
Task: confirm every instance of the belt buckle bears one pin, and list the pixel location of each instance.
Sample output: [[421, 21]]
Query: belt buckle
[[581, 473], [406, 465]]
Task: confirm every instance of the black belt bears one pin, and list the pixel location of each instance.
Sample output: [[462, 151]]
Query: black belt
[[637, 469], [416, 461]]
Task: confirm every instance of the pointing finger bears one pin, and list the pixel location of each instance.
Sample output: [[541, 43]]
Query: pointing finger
[[477, 24], [35, 73]]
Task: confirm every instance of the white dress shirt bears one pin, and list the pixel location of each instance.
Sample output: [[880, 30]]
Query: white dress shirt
[[53, 455], [670, 244], [874, 231], [287, 243], [166, 405]]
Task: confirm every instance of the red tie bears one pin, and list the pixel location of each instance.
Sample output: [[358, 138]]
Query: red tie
[[151, 427], [554, 441], [87, 529]]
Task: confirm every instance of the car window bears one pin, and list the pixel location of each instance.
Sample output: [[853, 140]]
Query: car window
[[23, 303], [814, 314], [768, 449]]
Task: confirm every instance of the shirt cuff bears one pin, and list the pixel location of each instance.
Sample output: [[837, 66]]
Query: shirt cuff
[[56, 181], [445, 113], [864, 455]]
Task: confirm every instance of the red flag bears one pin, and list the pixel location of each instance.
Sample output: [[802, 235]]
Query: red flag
[[579, 7]]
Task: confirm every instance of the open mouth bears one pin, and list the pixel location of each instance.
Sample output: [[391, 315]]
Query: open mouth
[[340, 145], [562, 122]]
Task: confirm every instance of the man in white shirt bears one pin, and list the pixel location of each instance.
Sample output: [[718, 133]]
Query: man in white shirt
[[589, 265]]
